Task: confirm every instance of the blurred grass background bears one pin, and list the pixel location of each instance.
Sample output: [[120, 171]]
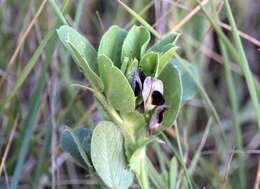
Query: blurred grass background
[[37, 101]]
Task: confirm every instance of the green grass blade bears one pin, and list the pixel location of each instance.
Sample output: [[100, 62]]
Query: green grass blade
[[205, 96], [179, 157], [173, 173], [244, 63], [161, 158], [43, 156], [234, 108], [140, 19], [57, 11], [142, 12], [29, 66], [187, 175], [80, 7], [155, 177], [32, 116], [221, 34], [197, 155]]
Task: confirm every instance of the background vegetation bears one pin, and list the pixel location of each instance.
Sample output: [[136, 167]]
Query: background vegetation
[[217, 141]]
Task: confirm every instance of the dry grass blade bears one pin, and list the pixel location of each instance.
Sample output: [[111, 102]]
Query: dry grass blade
[[257, 180], [23, 38], [227, 168], [140, 19], [242, 34], [188, 17], [8, 146], [209, 52], [100, 22], [6, 178], [202, 144]]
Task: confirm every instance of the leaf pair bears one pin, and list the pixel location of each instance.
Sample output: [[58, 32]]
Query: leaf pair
[[105, 150]]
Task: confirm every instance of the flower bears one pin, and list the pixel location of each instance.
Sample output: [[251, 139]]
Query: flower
[[151, 91]]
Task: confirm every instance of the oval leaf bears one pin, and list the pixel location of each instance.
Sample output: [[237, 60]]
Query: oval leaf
[[189, 85], [165, 43], [135, 43], [76, 140], [107, 154], [117, 88], [68, 34], [166, 57], [131, 69], [172, 93], [83, 54], [149, 64], [111, 44]]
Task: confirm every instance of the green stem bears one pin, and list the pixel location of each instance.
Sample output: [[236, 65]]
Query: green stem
[[57, 11], [244, 63], [140, 19], [182, 157], [239, 55], [218, 30], [234, 109], [205, 96], [141, 171]]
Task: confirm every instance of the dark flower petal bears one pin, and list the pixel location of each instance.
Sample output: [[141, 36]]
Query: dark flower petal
[[157, 117], [157, 98], [137, 83], [142, 76]]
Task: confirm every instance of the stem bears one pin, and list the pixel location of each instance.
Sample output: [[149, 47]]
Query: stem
[[182, 157], [140, 168], [244, 63], [206, 97], [140, 19], [234, 109]]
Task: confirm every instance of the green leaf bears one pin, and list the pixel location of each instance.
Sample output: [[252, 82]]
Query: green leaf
[[189, 85], [173, 173], [68, 34], [82, 52], [170, 77], [111, 44], [134, 128], [138, 164], [117, 88], [107, 154], [124, 65], [166, 57], [149, 63], [135, 43], [165, 43], [131, 68], [76, 142]]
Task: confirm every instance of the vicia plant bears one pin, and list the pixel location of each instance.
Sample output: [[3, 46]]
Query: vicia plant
[[139, 89]]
